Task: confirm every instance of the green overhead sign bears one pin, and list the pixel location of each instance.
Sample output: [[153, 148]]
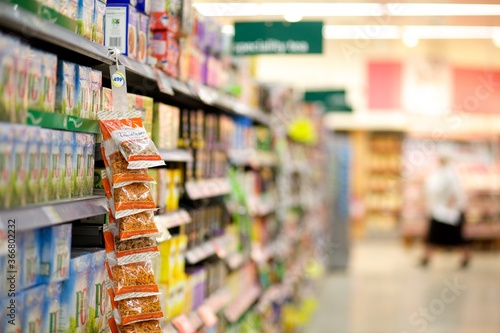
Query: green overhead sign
[[277, 38], [331, 100]]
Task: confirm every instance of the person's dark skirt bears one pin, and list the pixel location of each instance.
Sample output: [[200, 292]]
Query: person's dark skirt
[[443, 234]]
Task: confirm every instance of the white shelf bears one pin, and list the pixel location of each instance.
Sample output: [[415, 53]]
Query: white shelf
[[242, 303], [252, 157], [175, 155], [44, 215]]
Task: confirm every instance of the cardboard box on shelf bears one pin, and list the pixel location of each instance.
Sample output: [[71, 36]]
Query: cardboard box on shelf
[[65, 91], [85, 18], [143, 39], [83, 95], [121, 28], [55, 253], [99, 17]]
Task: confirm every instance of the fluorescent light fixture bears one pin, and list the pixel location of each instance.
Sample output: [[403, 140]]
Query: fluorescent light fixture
[[228, 29], [292, 17], [410, 38], [234, 9], [398, 32], [496, 37]]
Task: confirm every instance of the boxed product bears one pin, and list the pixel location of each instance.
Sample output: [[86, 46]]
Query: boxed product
[[8, 47], [97, 294], [12, 309], [95, 87], [142, 45], [144, 6], [69, 8], [49, 79], [79, 165], [85, 18], [32, 316], [21, 84], [51, 307], [19, 164], [121, 28], [29, 245], [65, 91], [7, 176], [44, 155], [159, 20], [55, 253], [83, 94], [107, 99], [171, 8], [89, 152], [67, 146], [33, 134], [159, 47], [74, 297], [165, 126], [99, 17], [35, 86], [56, 165], [143, 104]]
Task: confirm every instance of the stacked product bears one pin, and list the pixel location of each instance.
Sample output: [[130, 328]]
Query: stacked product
[[131, 234], [41, 165], [169, 187], [127, 28], [165, 30], [53, 288], [207, 223]]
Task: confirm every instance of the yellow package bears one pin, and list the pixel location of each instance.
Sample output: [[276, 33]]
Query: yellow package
[[180, 264]]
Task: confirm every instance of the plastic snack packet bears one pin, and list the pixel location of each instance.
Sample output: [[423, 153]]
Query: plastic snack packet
[[130, 138], [151, 326], [132, 280], [137, 225], [139, 309], [129, 251], [133, 199]]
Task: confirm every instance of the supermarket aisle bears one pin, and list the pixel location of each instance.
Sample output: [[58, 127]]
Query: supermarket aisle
[[386, 292]]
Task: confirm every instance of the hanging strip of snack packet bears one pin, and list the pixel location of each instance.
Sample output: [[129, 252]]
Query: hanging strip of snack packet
[[129, 251], [132, 280], [150, 326]]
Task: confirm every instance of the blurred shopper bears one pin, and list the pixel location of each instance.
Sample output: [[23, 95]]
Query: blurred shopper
[[446, 202]]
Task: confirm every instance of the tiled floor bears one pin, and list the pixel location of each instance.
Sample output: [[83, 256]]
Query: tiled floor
[[384, 291]]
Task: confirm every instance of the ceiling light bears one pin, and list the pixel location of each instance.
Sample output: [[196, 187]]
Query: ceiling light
[[496, 37], [410, 38], [234, 9], [292, 17]]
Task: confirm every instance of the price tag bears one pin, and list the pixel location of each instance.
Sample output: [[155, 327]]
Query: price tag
[[207, 315], [52, 214], [163, 82], [192, 190], [183, 325]]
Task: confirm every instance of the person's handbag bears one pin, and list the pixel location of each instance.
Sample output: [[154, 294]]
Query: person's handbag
[[446, 215]]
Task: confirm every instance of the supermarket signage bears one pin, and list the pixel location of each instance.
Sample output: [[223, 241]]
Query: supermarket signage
[[277, 37], [330, 100]]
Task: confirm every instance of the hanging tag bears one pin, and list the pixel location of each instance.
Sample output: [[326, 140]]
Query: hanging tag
[[118, 84]]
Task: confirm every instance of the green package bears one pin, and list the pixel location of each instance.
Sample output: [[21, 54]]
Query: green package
[[65, 89], [49, 79], [83, 99], [89, 163], [55, 167], [7, 77], [19, 166], [21, 79], [78, 187], [6, 144], [33, 179], [44, 154], [96, 87], [67, 164], [35, 80]]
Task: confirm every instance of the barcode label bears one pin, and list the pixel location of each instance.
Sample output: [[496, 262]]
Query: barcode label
[[115, 41]]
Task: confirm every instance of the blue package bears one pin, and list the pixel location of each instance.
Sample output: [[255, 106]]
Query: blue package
[[12, 309], [55, 253], [33, 309], [29, 250], [74, 297], [51, 307]]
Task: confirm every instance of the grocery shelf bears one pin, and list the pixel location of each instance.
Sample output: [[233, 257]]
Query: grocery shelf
[[242, 303], [175, 155], [62, 122], [208, 188], [28, 25], [34, 217]]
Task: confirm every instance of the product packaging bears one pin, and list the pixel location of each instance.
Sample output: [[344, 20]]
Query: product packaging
[[56, 165], [173, 54], [89, 152], [144, 6], [32, 316], [120, 175], [83, 94], [65, 90], [8, 47], [55, 253], [134, 310], [121, 28], [159, 20], [144, 105], [85, 18], [29, 248], [96, 87], [128, 134], [142, 46], [99, 17], [137, 225], [129, 251], [7, 176], [19, 166], [150, 326], [133, 199], [98, 297], [12, 309], [78, 186], [49, 79], [33, 181], [107, 100], [21, 83], [51, 307], [132, 280], [74, 297], [35, 82], [69, 8], [67, 146], [165, 130], [44, 157]]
